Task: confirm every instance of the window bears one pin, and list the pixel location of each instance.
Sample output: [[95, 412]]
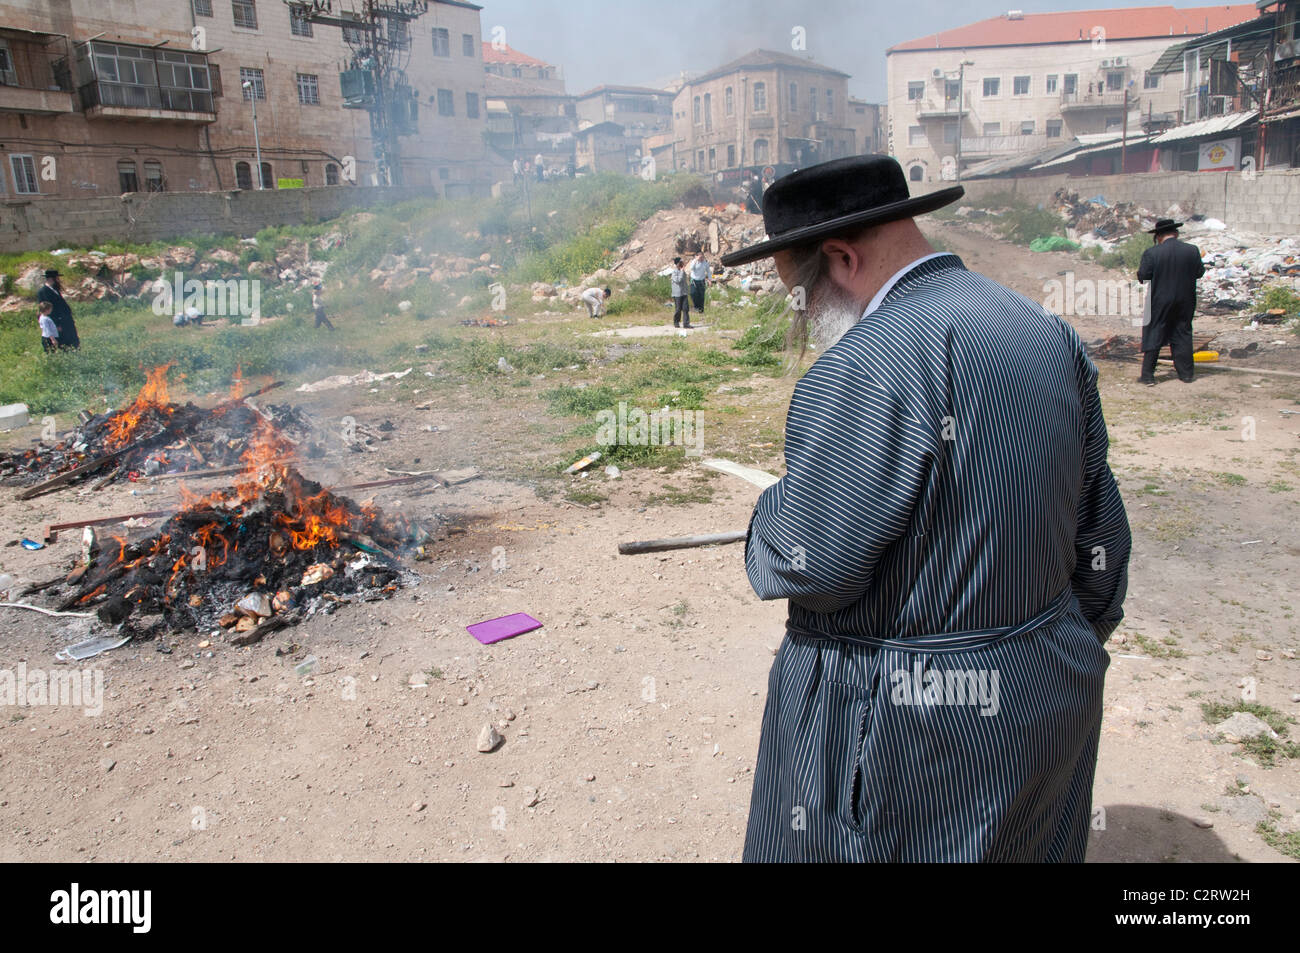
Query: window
[[708, 112], [214, 76], [1151, 80], [916, 135], [24, 174], [699, 160], [308, 89], [949, 132], [299, 26], [731, 157], [353, 36], [471, 105], [729, 101], [331, 174], [245, 12], [1053, 129], [517, 72], [467, 44], [1020, 86], [254, 76], [760, 149], [399, 35], [695, 107], [991, 85], [916, 173], [830, 102], [1114, 81], [444, 173], [202, 8], [1071, 84], [1051, 83], [153, 176], [127, 180], [915, 91], [243, 176], [812, 101], [1114, 122], [268, 180], [8, 75], [441, 41], [1027, 127], [713, 159], [760, 102], [993, 129], [794, 98], [446, 103]]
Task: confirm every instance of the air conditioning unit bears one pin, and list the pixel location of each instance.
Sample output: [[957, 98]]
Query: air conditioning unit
[[1107, 64], [1120, 61], [1284, 51], [937, 72]]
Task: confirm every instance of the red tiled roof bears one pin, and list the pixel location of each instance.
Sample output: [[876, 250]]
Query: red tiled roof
[[509, 56], [1075, 25]]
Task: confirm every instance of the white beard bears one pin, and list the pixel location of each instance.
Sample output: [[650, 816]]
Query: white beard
[[833, 313]]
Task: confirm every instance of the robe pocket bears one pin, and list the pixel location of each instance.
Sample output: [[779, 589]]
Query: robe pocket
[[846, 713]]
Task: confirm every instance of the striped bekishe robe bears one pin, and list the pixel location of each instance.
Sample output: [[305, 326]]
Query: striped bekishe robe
[[955, 551]]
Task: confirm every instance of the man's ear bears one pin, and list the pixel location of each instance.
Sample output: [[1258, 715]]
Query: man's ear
[[844, 262]]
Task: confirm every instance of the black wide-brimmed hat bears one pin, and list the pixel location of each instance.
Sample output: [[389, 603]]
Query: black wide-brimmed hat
[[834, 197], [1164, 225], [51, 273]]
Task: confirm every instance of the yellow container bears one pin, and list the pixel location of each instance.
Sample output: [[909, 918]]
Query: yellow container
[[1205, 357]]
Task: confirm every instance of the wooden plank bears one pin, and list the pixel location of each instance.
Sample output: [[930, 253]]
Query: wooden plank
[[55, 482], [680, 542]]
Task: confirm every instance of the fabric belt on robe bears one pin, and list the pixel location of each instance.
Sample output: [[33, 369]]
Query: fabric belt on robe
[[955, 641]]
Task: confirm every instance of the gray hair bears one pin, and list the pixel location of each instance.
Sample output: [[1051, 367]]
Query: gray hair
[[811, 270]]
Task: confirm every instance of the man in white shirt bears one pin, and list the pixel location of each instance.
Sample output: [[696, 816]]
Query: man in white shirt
[[700, 272], [594, 299]]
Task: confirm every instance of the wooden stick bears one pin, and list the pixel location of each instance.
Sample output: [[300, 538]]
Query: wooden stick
[[58, 481], [52, 529], [680, 542]]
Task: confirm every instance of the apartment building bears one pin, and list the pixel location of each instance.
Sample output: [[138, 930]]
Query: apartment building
[[110, 96], [499, 59], [1025, 82], [765, 108], [867, 120]]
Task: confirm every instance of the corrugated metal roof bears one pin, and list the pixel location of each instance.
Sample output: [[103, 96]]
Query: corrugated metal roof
[[1116, 143], [1204, 127], [1247, 38], [1023, 160], [1077, 25]]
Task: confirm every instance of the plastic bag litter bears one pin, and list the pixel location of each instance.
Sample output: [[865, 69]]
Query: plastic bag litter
[[1053, 243]]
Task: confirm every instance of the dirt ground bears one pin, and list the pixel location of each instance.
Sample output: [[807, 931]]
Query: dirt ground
[[631, 718]]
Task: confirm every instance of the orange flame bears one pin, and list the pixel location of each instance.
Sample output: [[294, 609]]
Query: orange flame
[[153, 396]]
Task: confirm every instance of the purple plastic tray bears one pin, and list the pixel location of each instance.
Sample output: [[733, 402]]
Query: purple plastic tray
[[506, 627]]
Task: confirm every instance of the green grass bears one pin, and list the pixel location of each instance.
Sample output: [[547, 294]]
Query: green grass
[[1126, 255], [1287, 843]]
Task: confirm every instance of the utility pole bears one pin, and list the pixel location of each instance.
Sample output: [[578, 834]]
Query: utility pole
[[961, 103], [378, 36], [1123, 139], [257, 140]]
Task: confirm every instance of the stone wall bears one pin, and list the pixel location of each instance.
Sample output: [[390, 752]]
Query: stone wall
[[1265, 202], [48, 223]]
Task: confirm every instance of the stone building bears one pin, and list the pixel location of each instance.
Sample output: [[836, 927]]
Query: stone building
[[1025, 82], [109, 96], [765, 108]]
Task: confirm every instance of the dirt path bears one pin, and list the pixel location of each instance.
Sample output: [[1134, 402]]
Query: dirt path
[[631, 719]]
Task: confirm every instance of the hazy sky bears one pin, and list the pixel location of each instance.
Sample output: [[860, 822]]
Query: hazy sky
[[643, 43]]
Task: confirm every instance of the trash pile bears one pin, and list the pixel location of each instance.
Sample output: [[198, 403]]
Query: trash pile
[[153, 436], [1238, 265], [1098, 219], [260, 555]]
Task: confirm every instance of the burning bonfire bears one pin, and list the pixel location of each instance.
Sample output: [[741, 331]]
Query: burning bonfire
[[151, 436], [250, 558]]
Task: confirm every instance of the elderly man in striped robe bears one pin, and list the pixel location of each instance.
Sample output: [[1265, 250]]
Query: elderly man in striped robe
[[951, 542]]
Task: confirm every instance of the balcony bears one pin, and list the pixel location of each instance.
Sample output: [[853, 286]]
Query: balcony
[[1109, 99], [34, 76], [120, 81], [946, 108], [104, 100]]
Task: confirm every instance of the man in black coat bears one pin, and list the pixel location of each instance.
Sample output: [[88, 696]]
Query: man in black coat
[[52, 292], [1172, 266]]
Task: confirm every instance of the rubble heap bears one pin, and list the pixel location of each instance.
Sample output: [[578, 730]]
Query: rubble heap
[[1097, 219], [154, 435], [251, 558]]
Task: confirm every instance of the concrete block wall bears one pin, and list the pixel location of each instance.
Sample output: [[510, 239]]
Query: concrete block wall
[[1267, 202], [47, 223]]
